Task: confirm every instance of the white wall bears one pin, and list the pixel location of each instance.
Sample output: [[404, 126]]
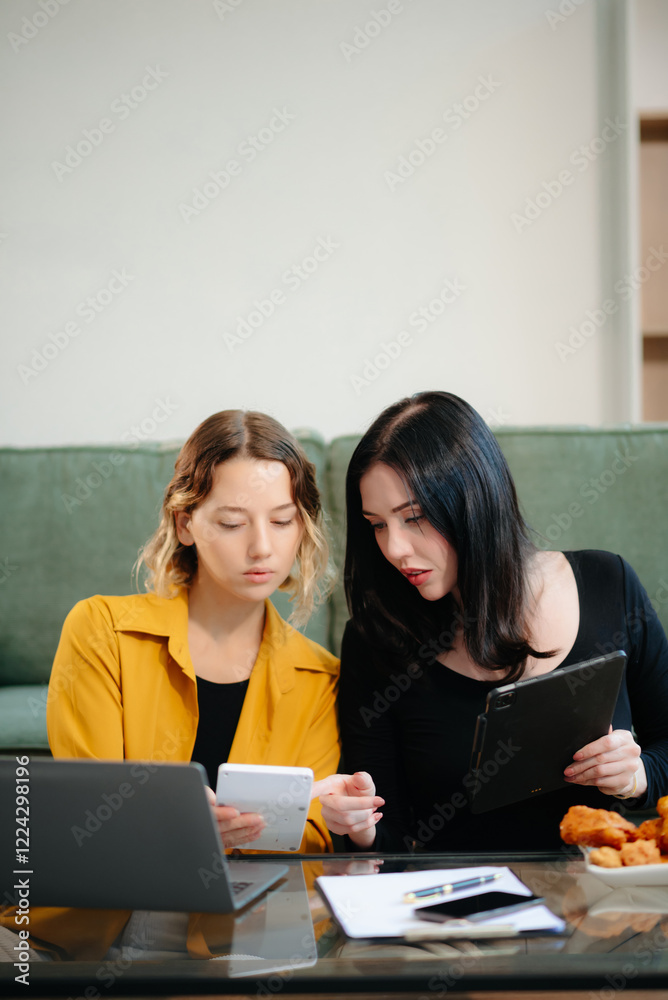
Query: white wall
[[650, 56], [224, 69]]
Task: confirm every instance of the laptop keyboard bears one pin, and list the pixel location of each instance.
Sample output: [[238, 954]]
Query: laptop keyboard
[[240, 886]]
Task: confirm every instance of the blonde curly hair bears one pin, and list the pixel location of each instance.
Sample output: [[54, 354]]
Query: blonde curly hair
[[170, 565]]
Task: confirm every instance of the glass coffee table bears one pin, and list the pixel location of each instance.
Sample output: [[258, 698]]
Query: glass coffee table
[[287, 943]]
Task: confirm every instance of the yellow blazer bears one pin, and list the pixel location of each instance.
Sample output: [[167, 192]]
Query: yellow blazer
[[123, 686]]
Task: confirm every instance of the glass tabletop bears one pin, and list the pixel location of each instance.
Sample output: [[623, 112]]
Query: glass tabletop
[[287, 941]]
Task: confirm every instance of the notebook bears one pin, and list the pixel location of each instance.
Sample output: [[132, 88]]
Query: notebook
[[372, 906], [119, 835]]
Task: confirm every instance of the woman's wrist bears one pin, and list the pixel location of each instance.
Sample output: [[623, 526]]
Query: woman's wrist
[[364, 838], [637, 787]]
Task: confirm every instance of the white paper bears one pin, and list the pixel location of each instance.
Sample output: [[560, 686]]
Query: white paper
[[371, 906]]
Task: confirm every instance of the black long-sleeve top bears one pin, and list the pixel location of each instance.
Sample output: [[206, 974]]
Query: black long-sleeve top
[[220, 708], [412, 729]]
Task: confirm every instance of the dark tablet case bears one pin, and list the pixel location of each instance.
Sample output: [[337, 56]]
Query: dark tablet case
[[530, 730]]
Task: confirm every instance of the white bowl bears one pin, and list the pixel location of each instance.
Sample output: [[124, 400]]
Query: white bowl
[[629, 875]]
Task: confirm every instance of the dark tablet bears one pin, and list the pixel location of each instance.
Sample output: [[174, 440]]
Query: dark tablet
[[530, 730]]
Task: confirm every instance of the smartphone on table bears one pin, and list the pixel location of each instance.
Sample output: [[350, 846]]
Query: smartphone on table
[[481, 907]]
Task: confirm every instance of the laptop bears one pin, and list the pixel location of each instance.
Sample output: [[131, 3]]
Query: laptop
[[118, 835], [530, 730]]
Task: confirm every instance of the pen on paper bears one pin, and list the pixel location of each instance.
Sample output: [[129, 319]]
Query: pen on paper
[[435, 891]]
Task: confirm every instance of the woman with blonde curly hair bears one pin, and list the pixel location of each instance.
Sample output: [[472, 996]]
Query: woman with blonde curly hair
[[202, 667]]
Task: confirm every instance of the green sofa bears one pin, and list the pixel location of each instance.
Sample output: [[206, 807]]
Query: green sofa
[[72, 520]]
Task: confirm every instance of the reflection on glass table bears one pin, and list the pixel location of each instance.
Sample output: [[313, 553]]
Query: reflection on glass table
[[289, 936]]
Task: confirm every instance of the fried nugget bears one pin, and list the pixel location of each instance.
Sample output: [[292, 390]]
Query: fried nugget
[[656, 829], [662, 807], [596, 828], [651, 829], [643, 852], [606, 857], [662, 839]]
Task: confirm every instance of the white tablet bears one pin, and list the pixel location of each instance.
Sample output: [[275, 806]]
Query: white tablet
[[282, 795]]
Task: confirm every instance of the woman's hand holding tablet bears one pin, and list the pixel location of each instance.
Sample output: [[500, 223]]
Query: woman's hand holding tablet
[[612, 763]]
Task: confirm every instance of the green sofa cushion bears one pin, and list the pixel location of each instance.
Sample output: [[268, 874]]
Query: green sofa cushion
[[71, 524], [23, 716], [72, 521]]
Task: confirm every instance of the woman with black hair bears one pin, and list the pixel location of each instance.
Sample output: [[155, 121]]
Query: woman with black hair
[[449, 598]]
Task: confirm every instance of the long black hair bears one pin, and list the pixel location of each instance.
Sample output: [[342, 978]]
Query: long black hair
[[453, 469]]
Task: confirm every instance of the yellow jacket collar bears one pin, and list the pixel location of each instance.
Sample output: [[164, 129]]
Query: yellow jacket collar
[[168, 618], [165, 617]]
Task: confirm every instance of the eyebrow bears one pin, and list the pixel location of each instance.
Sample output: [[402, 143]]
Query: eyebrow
[[244, 510], [395, 510]]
